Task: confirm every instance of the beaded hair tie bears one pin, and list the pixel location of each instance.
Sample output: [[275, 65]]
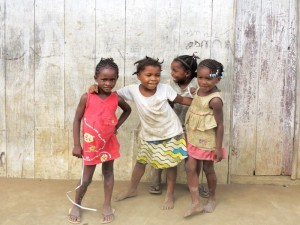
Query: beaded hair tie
[[217, 74]]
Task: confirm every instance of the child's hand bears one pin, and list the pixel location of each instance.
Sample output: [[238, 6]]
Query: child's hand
[[218, 155], [77, 151], [93, 89], [193, 90]]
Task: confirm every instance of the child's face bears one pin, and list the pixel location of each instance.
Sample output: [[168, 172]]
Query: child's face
[[179, 74], [149, 77], [106, 79], [206, 83]]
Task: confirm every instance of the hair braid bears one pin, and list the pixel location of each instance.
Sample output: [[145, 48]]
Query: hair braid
[[106, 63], [214, 66]]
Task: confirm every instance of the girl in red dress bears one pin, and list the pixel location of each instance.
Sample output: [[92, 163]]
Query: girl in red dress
[[97, 112]]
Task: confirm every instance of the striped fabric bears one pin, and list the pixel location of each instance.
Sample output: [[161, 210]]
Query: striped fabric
[[162, 154]]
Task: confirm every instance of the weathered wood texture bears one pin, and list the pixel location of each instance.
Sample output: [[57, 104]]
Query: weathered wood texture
[[49, 90], [2, 92], [296, 153], [49, 50], [19, 78], [264, 94]]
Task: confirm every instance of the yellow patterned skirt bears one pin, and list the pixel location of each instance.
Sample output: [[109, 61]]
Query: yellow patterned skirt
[[163, 154]]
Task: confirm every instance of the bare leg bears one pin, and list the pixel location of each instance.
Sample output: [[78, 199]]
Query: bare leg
[[108, 173], [74, 214], [155, 187], [193, 182], [203, 192], [211, 177], [171, 180], [137, 173]]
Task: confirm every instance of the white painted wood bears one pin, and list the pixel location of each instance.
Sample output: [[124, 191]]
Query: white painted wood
[[222, 50], [49, 90], [49, 63], [167, 28], [245, 88], [51, 153], [20, 109], [195, 28], [79, 56], [2, 92], [275, 109], [296, 154]]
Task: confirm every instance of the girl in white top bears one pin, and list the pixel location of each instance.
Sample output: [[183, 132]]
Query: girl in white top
[[162, 143]]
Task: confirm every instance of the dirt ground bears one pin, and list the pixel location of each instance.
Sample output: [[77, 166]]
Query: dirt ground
[[43, 202]]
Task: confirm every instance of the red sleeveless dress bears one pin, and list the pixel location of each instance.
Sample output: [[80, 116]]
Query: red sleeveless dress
[[100, 144]]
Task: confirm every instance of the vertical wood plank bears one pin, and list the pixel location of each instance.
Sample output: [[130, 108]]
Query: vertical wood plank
[[291, 93], [296, 155], [245, 90], [275, 117], [49, 63], [49, 88], [2, 92], [110, 42], [195, 28], [222, 49], [51, 155], [167, 28], [79, 64], [19, 30]]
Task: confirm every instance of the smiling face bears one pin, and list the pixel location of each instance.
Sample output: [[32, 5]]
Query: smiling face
[[150, 78], [106, 79], [179, 74], [205, 82]]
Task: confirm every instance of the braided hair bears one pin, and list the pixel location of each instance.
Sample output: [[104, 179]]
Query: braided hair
[[189, 63], [147, 61], [106, 63], [216, 68]]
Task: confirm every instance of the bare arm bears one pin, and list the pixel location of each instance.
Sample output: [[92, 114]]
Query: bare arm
[[126, 111], [183, 100], [217, 105], [77, 149]]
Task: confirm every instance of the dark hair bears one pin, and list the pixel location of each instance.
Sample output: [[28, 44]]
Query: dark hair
[[188, 62], [147, 61], [106, 63], [214, 66]]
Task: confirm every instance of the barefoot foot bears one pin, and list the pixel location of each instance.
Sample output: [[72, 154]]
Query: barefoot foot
[[168, 203], [210, 205], [123, 195], [74, 215], [193, 209], [108, 215]]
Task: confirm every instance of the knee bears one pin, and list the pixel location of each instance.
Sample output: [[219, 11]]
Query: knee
[[189, 168], [208, 169], [107, 172]]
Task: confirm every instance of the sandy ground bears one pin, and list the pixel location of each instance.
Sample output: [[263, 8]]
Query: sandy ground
[[43, 202]]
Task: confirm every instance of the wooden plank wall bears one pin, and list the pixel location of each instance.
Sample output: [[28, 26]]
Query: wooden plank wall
[[264, 94], [49, 50]]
